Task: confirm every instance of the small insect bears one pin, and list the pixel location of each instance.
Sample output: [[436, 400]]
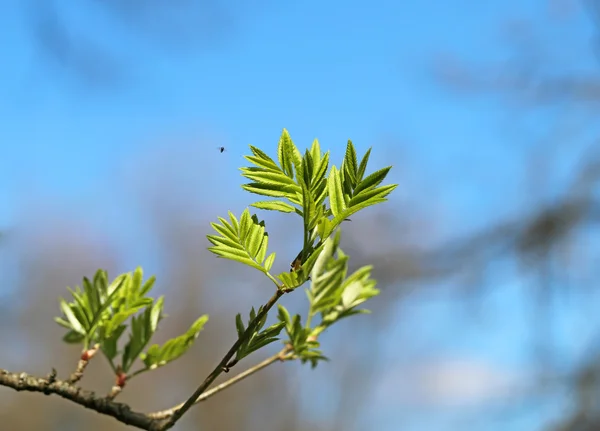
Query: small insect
[[221, 149]]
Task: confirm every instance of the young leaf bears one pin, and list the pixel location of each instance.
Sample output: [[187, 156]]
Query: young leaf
[[269, 261], [257, 338], [274, 206], [363, 166], [315, 152], [157, 356], [249, 246], [372, 180], [73, 337], [142, 329], [284, 153], [273, 190], [109, 345], [336, 195], [70, 315]]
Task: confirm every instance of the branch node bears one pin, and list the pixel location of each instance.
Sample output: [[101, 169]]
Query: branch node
[[84, 360], [51, 377]]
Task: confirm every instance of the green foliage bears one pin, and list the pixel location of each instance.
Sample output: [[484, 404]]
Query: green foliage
[[158, 356], [332, 294], [257, 338], [300, 183], [244, 241], [323, 196], [101, 312], [305, 347]]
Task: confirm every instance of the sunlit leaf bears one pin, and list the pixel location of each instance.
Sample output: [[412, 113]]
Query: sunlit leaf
[[274, 206], [362, 168], [336, 197], [157, 356], [372, 180], [248, 246]]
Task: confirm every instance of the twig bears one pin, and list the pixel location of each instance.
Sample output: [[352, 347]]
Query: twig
[[283, 355], [158, 421], [177, 414], [86, 356], [50, 385]]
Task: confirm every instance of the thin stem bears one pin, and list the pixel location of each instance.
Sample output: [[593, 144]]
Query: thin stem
[[111, 363], [222, 364], [283, 355], [273, 279], [51, 385], [308, 319], [137, 373]]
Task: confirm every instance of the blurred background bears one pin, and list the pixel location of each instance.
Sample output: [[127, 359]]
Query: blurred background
[[112, 113]]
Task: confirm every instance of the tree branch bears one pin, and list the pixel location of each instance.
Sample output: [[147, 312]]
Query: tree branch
[[283, 355], [158, 421], [222, 366], [50, 385]]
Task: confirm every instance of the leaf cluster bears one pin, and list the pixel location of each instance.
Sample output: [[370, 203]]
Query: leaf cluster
[[324, 197], [101, 312], [332, 295], [258, 338]]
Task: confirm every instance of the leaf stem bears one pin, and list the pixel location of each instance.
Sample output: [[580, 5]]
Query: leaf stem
[[137, 373], [111, 363], [222, 365], [284, 355]]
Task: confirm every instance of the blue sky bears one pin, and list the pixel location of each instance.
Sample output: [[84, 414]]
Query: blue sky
[[331, 70]]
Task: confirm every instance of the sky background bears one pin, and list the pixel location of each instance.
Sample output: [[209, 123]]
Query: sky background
[[167, 90]]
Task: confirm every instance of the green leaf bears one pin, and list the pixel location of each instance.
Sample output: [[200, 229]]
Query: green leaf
[[269, 261], [73, 337], [307, 168], [363, 200], [336, 196], [257, 338], [109, 345], [315, 152], [261, 159], [284, 153], [327, 277], [350, 168], [274, 206], [239, 325], [283, 315], [249, 246], [101, 282], [118, 319], [157, 356], [70, 315], [136, 281], [363, 166], [267, 177], [106, 301], [292, 280], [84, 308], [62, 322], [273, 190], [92, 296], [351, 159], [372, 180], [371, 194], [148, 285]]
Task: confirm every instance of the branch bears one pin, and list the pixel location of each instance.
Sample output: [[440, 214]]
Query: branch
[[159, 421], [51, 385], [283, 355], [222, 366], [86, 356]]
